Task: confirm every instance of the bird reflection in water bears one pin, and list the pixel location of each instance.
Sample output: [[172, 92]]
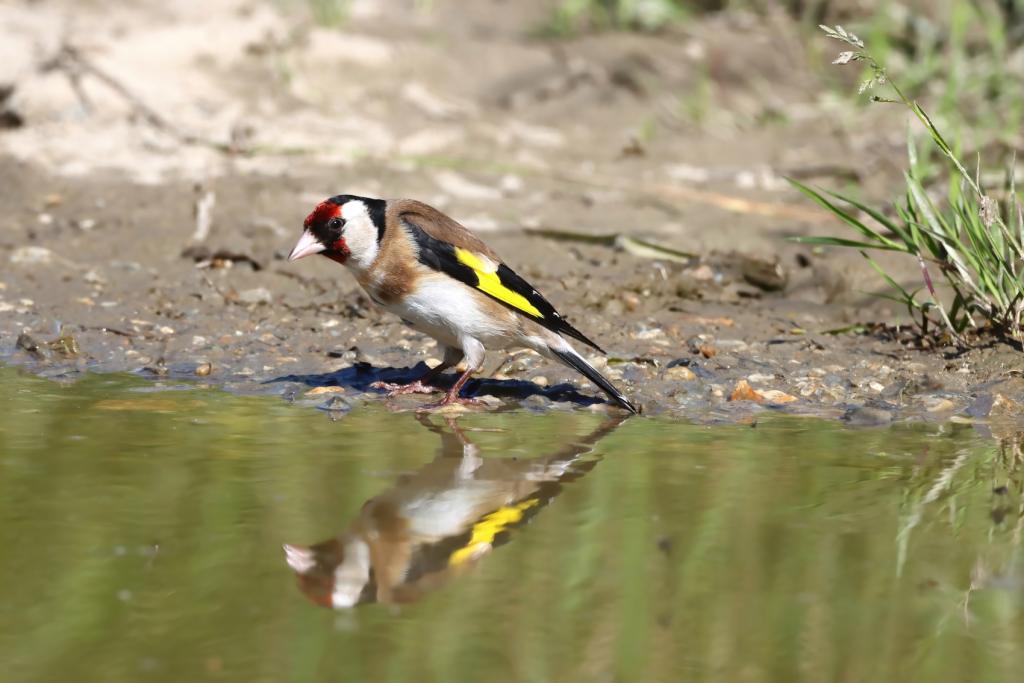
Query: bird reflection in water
[[436, 522]]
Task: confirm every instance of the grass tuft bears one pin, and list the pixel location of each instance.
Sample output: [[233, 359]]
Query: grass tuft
[[972, 240]]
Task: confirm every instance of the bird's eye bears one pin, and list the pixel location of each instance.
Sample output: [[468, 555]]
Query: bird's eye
[[336, 223]]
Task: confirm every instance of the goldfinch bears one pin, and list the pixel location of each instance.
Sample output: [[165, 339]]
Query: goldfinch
[[436, 522], [441, 279]]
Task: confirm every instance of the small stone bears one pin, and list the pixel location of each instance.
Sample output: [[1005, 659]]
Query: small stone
[[776, 396], [703, 273], [936, 404], [540, 380], [258, 295], [94, 277], [165, 330], [204, 369], [451, 409], [744, 392], [35, 256], [320, 391], [876, 387], [536, 401], [765, 274], [680, 373], [707, 350], [867, 416]]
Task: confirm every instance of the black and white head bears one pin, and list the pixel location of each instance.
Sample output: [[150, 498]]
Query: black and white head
[[345, 228], [335, 573]]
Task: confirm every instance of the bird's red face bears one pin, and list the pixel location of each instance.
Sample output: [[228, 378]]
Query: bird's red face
[[323, 233]]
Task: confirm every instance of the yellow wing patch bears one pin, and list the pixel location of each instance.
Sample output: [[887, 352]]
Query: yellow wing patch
[[487, 529], [489, 283]]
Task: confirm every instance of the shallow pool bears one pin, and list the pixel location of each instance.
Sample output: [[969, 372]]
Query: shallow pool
[[176, 533]]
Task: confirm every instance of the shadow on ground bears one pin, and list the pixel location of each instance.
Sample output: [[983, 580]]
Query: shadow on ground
[[360, 377]]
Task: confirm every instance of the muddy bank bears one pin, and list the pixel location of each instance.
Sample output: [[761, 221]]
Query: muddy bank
[[104, 277], [596, 136]]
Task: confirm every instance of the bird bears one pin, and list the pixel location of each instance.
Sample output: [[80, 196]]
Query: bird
[[437, 521], [436, 275]]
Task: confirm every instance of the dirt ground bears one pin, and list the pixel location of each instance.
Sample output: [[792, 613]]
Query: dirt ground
[[116, 126]]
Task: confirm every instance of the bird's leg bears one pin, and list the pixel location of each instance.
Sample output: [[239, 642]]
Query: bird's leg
[[424, 383], [474, 360], [452, 396]]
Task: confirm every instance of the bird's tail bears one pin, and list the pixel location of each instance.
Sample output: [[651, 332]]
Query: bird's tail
[[574, 360]]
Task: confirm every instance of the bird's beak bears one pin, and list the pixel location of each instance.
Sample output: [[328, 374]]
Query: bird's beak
[[306, 246], [300, 559]]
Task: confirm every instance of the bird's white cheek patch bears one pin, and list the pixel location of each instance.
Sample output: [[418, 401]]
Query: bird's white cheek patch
[[360, 234], [352, 575]]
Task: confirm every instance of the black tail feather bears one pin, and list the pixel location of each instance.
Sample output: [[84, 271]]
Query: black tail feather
[[563, 327], [577, 363]]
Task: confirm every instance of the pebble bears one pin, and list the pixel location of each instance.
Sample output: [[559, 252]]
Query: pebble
[[744, 392], [937, 404], [204, 369], [776, 396], [94, 277], [680, 373], [32, 256], [867, 416], [536, 401], [540, 380], [703, 273], [319, 391]]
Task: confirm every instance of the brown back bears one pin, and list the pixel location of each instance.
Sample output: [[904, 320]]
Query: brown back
[[436, 224]]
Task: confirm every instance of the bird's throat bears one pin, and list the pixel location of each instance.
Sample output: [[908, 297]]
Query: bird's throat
[[338, 252]]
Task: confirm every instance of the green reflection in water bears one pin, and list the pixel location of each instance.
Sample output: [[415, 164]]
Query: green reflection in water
[[141, 538]]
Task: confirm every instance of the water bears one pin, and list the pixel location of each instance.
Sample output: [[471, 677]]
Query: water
[[142, 532]]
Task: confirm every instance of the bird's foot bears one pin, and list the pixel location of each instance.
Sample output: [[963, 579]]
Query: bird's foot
[[416, 387], [450, 402]]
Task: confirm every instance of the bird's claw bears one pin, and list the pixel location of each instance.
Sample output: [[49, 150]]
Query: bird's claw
[[416, 387]]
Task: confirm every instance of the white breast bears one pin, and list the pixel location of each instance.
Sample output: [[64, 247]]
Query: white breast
[[450, 312], [451, 512]]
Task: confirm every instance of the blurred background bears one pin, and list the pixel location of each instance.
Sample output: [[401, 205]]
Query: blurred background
[[675, 118]]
